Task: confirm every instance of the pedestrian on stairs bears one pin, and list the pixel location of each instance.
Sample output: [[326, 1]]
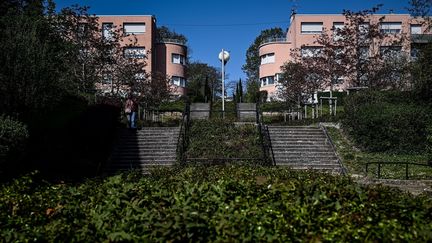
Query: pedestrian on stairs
[[131, 111]]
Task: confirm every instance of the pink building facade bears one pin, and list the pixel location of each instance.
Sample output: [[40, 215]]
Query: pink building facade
[[304, 30], [165, 57]]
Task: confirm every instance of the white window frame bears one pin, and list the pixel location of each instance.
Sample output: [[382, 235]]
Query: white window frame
[[416, 29], [178, 81], [390, 51], [337, 26], [178, 59], [391, 27], [268, 80], [311, 27], [107, 31], [268, 58], [135, 52], [310, 51], [133, 28]]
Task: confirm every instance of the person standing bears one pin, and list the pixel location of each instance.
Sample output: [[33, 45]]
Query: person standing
[[131, 111]]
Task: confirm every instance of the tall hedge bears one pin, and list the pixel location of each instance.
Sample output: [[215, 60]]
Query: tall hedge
[[387, 121]]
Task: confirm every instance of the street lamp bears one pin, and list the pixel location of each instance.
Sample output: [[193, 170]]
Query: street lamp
[[224, 56]]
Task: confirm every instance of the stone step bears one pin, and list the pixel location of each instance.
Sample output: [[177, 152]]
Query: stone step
[[142, 153], [297, 135], [282, 131], [299, 143], [282, 157], [300, 153]]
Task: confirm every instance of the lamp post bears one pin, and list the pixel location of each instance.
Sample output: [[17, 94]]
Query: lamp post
[[224, 56]]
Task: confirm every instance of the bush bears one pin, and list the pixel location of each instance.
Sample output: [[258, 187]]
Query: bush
[[387, 122], [212, 204], [339, 95], [219, 138], [13, 137]]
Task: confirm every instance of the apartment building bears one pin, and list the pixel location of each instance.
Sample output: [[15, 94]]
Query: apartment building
[[164, 56], [304, 30]]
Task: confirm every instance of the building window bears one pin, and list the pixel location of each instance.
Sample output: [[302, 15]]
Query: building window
[[134, 28], [414, 53], [107, 78], [135, 52], [107, 31], [267, 80], [311, 28], [337, 27], [178, 59], [390, 51], [364, 53], [178, 81], [416, 29], [140, 76], [310, 51], [268, 58], [391, 27]]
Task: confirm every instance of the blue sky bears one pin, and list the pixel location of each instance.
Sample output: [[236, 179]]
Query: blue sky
[[229, 24]]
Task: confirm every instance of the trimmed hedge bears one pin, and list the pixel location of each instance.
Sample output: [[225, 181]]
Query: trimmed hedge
[[215, 204], [387, 121]]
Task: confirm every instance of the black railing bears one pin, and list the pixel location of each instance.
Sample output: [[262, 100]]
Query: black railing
[[343, 170], [407, 164], [267, 148], [183, 138]]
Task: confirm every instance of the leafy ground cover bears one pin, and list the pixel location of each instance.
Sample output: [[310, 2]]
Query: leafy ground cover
[[219, 203], [355, 160], [217, 138]]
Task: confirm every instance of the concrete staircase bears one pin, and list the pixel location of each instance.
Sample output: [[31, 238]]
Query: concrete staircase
[[303, 148], [143, 149]]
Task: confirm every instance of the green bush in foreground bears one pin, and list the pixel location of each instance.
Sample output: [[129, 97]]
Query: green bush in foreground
[[212, 204]]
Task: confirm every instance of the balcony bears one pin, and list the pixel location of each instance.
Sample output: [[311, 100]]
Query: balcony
[[274, 40], [173, 41], [421, 38]]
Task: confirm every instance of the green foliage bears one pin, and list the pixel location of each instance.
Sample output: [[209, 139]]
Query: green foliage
[[391, 122], [203, 82], [355, 160], [13, 137], [422, 74], [252, 91], [339, 95], [219, 138], [211, 204], [177, 105], [164, 32]]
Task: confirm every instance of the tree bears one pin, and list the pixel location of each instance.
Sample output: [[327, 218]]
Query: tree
[[422, 74], [422, 8], [34, 64], [204, 82], [164, 32]]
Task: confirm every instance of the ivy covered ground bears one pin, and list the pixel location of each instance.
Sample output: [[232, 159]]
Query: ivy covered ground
[[218, 203]]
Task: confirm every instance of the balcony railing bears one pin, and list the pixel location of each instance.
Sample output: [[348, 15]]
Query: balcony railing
[[175, 41], [274, 40], [421, 38]]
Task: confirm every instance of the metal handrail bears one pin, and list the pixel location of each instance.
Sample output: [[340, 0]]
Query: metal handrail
[[274, 40], [344, 170], [264, 138], [183, 138], [394, 163], [175, 41]]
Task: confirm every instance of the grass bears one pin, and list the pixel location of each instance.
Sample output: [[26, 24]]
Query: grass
[[355, 160]]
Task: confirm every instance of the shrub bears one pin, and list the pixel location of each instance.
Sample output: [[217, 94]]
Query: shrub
[[223, 139], [212, 204], [387, 122], [13, 137]]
